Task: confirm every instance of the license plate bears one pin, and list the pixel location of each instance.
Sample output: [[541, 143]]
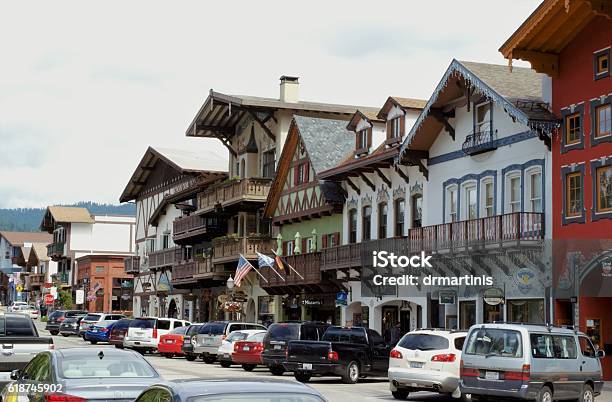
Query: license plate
[[94, 330], [168, 340], [492, 375], [246, 348], [277, 347], [416, 364], [306, 366]]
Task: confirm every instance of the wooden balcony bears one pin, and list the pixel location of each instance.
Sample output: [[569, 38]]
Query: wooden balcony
[[185, 272], [308, 265], [131, 264], [37, 280], [163, 258], [227, 249], [509, 230], [234, 192], [187, 227], [56, 250]]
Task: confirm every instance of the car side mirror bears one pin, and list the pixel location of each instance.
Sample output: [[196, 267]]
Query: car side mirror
[[600, 354], [16, 375]]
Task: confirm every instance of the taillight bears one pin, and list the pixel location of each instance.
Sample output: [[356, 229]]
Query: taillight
[[103, 329], [445, 358], [259, 347], [51, 346], [60, 319], [332, 356], [63, 398], [468, 372], [236, 347], [522, 375], [395, 354], [154, 332], [182, 338]]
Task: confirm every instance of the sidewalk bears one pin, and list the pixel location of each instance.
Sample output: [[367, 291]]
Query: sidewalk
[[607, 386]]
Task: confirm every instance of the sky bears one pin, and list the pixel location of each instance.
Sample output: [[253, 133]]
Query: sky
[[86, 87]]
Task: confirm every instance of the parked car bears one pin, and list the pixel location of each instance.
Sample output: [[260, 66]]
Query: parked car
[[84, 374], [189, 342], [70, 326], [210, 336], [27, 309], [99, 332], [349, 353], [224, 354], [94, 318], [58, 316], [426, 360], [260, 390], [529, 362], [248, 352], [118, 332], [144, 332], [19, 342], [171, 344], [11, 308], [279, 334]]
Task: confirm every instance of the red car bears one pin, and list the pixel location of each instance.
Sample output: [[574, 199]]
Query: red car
[[171, 344], [248, 353]]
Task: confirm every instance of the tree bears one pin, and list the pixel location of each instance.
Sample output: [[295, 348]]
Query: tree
[[65, 299]]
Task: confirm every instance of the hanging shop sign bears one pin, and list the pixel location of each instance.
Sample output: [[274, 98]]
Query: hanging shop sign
[[493, 296], [313, 302], [524, 279], [447, 297], [341, 299]]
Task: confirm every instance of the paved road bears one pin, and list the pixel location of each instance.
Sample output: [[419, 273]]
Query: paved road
[[333, 389]]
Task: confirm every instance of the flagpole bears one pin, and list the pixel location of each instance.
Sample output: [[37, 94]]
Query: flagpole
[[290, 267], [255, 269], [272, 268]]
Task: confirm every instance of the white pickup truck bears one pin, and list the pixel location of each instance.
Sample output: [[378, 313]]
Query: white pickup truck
[[19, 343]]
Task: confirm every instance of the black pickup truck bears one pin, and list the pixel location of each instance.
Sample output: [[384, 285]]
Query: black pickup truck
[[350, 353]]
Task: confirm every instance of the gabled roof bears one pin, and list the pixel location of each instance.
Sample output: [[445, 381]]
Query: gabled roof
[[209, 165], [402, 103], [549, 29], [18, 239], [511, 90], [327, 143], [369, 115], [62, 214], [39, 251]]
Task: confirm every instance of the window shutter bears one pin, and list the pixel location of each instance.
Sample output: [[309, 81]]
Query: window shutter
[[369, 135], [324, 241], [337, 238], [284, 248], [402, 125], [389, 128], [306, 172], [304, 245]]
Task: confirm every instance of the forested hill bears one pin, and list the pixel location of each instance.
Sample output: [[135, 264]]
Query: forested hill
[[28, 219]]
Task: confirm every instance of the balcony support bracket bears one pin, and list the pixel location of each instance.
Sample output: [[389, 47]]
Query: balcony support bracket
[[367, 181], [353, 185], [401, 173], [383, 177], [443, 117], [423, 169]]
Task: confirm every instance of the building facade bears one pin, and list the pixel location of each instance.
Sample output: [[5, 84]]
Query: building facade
[[105, 284]]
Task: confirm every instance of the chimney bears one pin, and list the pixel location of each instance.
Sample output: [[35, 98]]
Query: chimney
[[289, 89]]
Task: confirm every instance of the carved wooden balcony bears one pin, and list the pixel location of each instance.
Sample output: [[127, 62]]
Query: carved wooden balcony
[[234, 192]]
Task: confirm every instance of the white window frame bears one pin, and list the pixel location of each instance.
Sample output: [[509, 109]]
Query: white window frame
[[529, 194], [483, 197], [397, 126], [308, 245], [510, 203], [452, 189], [363, 138], [290, 247], [465, 188], [487, 117]]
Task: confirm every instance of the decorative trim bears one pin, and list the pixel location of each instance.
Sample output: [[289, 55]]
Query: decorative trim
[[382, 195], [352, 203], [399, 192], [574, 167], [416, 189], [604, 161], [567, 111], [498, 143], [366, 200], [593, 105], [477, 177], [596, 55], [522, 168]]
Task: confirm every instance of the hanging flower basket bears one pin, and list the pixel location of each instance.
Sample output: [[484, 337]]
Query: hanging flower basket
[[91, 298], [232, 307]]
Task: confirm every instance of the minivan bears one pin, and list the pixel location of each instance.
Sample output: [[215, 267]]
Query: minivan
[[144, 332], [279, 334], [211, 335], [529, 362], [93, 318]]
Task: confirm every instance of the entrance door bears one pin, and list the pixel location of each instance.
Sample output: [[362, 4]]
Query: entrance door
[[172, 313], [389, 321], [404, 322]]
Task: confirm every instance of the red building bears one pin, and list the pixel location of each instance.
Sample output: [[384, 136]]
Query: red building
[[570, 41], [107, 287]]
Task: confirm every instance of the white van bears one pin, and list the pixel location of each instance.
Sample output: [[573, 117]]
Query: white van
[[143, 333]]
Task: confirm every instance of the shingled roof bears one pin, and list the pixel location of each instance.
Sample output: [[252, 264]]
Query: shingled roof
[[18, 239]]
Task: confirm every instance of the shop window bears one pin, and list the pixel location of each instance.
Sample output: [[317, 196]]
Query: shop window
[[467, 314], [492, 313], [366, 223], [382, 220], [601, 64], [527, 311], [353, 226], [399, 216]]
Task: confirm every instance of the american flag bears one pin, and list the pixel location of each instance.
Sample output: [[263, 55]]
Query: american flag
[[244, 266]]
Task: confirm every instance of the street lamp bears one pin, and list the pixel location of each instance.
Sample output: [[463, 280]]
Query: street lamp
[[230, 299], [230, 283]]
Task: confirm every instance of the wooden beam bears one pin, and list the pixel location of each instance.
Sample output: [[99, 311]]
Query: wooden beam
[[383, 177], [353, 185], [416, 154], [262, 124], [367, 181], [443, 117], [401, 173], [547, 63], [221, 130], [423, 169], [227, 143]]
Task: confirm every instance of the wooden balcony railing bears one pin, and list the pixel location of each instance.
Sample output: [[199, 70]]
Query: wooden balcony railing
[[248, 189], [37, 280], [190, 271], [229, 248], [495, 231], [131, 264], [163, 258], [56, 249], [482, 140], [308, 265], [195, 225]]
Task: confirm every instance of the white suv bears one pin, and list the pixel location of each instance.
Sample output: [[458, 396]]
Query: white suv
[[93, 318], [143, 333], [426, 360]]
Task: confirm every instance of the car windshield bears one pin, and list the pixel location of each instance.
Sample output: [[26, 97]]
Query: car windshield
[[55, 314], [179, 330], [423, 342], [283, 332], [108, 366], [193, 329], [349, 335], [92, 317], [123, 323], [143, 323], [494, 342], [213, 328], [257, 397], [256, 337], [236, 336]]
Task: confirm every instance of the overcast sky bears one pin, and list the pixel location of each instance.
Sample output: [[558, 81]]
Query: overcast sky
[[85, 87]]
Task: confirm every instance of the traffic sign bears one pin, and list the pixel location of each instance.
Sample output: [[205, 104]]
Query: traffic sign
[[49, 299], [19, 288]]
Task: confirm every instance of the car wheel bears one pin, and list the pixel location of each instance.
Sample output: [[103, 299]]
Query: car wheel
[[351, 374], [249, 367], [208, 359], [277, 370], [190, 358], [119, 346], [587, 394], [302, 377], [168, 355], [94, 342], [65, 335], [54, 332], [400, 394], [141, 351], [545, 395]]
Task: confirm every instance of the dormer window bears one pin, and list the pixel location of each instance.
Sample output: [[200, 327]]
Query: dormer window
[[395, 129], [363, 141]]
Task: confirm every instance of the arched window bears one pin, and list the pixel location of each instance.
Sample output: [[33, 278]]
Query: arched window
[[400, 206], [382, 220]]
